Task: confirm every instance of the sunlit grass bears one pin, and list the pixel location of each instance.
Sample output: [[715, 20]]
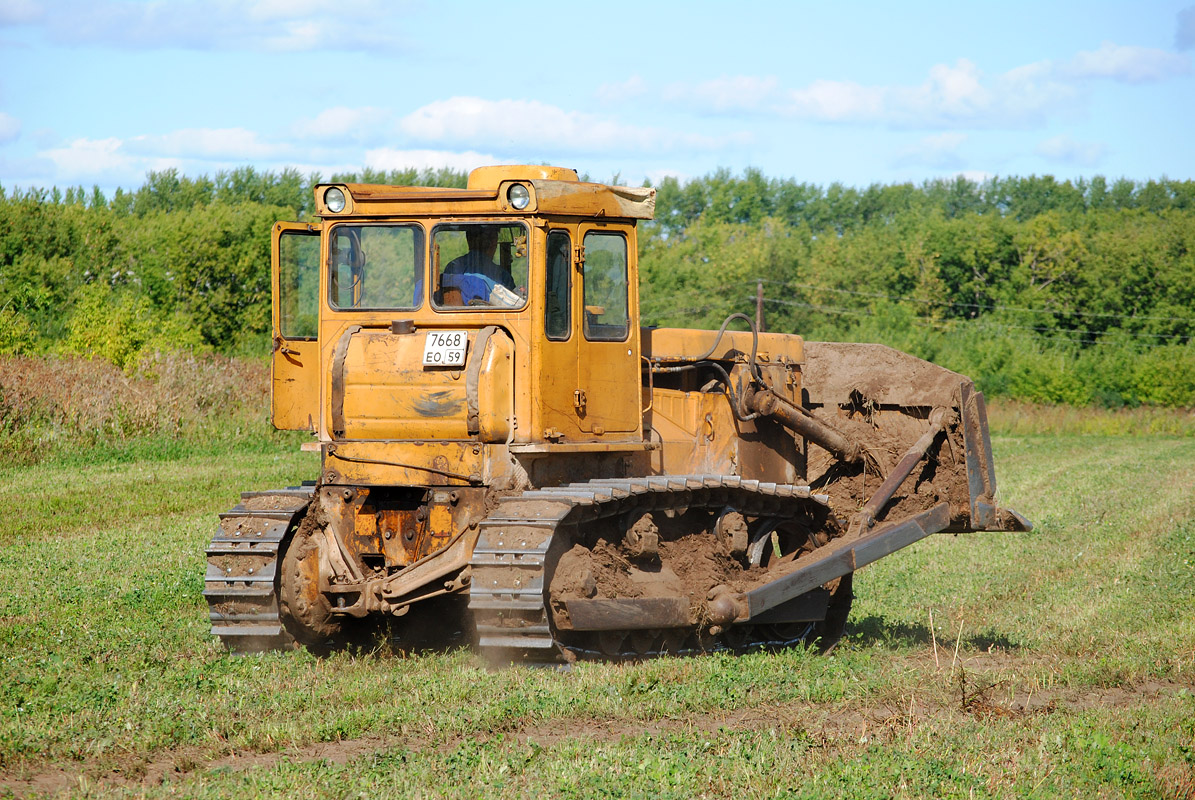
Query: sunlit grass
[[1073, 674]]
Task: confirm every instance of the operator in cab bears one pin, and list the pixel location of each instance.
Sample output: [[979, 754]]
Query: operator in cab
[[483, 243]]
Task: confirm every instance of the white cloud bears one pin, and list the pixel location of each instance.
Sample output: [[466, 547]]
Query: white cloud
[[1065, 149], [273, 10], [113, 161], [939, 151], [10, 128], [340, 124], [101, 160], [957, 95], [235, 144], [1184, 35], [20, 12], [837, 101], [1125, 63], [630, 89], [268, 25], [388, 158], [521, 125], [726, 94], [657, 176]]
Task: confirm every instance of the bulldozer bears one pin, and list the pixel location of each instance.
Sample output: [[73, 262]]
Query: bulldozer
[[494, 425]]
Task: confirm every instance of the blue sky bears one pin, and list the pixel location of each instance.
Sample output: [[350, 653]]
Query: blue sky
[[101, 91]]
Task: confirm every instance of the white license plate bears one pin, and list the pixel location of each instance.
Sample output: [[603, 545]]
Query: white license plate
[[445, 348]]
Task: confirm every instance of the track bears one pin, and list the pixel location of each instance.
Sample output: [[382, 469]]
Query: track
[[518, 547], [520, 543], [242, 561]]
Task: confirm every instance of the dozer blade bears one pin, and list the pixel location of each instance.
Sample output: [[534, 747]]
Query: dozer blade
[[881, 400], [840, 557]]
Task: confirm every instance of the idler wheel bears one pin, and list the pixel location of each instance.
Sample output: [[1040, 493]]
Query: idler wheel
[[305, 610]]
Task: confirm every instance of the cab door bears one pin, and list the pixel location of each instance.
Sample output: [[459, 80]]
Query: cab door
[[295, 275], [608, 397]]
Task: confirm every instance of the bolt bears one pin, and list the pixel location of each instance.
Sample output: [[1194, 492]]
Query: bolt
[[347, 494], [454, 497]]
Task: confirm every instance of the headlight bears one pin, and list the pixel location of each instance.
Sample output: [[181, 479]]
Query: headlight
[[518, 196], [334, 200]]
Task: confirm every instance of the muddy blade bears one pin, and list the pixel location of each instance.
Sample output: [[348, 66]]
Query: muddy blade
[[882, 397], [843, 557]]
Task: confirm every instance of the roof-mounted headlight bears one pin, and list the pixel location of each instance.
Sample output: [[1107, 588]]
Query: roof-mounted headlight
[[518, 196], [334, 200]]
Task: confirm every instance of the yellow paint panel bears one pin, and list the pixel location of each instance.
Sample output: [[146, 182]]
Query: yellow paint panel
[[294, 382], [495, 388], [389, 394], [681, 343], [428, 463]]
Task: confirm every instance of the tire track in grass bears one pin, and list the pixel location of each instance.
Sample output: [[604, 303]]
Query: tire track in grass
[[835, 724]]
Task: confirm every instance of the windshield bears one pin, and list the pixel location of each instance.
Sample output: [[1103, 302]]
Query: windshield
[[375, 266], [479, 264]]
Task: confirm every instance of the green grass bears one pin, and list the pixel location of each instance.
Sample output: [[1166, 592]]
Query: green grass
[[1075, 672]]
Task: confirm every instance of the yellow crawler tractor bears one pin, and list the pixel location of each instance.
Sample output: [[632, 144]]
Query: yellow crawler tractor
[[493, 423]]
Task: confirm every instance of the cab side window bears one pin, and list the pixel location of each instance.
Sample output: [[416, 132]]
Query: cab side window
[[298, 285], [607, 317], [557, 287]]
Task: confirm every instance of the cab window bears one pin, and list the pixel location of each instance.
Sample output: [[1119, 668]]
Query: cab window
[[607, 317], [298, 285], [558, 286], [479, 265], [375, 267]]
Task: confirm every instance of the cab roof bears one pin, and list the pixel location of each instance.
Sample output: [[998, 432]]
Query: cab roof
[[554, 190]]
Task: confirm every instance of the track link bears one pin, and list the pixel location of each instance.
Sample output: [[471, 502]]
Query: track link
[[242, 564], [507, 594]]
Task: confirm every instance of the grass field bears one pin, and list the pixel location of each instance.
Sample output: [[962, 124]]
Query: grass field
[[1059, 662]]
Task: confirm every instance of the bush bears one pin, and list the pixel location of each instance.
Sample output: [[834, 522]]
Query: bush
[[1165, 376], [121, 327], [17, 335]]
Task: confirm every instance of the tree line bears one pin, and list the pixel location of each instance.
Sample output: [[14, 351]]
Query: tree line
[[1056, 291]]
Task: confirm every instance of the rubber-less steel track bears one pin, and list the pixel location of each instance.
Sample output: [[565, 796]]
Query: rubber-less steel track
[[507, 594], [242, 564]]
